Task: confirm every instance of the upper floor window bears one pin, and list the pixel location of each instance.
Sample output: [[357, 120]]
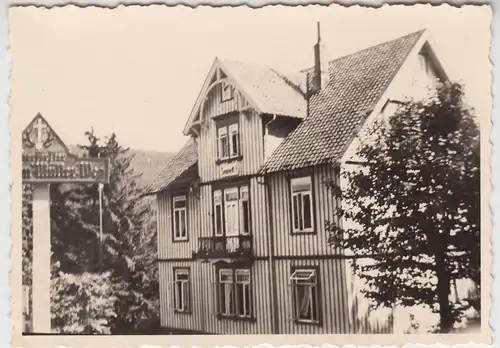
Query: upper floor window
[[181, 295], [302, 212], [227, 91], [232, 211], [228, 141], [179, 218], [305, 293], [233, 290]]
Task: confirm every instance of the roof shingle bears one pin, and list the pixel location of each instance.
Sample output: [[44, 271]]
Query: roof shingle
[[357, 82], [274, 92], [185, 159]]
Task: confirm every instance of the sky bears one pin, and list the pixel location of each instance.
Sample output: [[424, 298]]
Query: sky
[[137, 70]]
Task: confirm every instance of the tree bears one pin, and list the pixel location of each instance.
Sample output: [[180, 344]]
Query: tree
[[412, 204], [128, 245]]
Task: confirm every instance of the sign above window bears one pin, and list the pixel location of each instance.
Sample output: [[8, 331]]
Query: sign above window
[[229, 169]]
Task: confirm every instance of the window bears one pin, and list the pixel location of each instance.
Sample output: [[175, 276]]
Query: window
[[244, 211], [302, 212], [219, 231], [234, 293], [181, 293], [228, 141], [232, 211], [305, 292], [234, 140], [179, 221], [227, 91]]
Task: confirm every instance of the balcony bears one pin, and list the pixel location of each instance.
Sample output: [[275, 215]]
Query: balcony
[[224, 247]]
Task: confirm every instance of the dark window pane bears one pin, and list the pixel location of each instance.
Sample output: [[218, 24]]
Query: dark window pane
[[246, 217], [299, 212], [307, 211], [218, 219], [295, 213]]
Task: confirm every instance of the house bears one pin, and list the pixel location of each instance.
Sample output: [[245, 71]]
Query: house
[[242, 245]]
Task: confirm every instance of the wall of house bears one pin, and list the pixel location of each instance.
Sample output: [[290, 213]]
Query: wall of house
[[251, 136], [167, 247], [203, 317], [306, 244]]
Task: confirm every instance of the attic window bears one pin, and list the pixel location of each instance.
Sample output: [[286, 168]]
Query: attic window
[[227, 91]]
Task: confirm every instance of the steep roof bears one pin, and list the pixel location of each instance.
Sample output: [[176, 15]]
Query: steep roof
[[274, 92], [357, 82], [183, 161]]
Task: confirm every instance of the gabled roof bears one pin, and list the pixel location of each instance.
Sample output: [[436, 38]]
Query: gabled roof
[[273, 92], [357, 82], [182, 162]]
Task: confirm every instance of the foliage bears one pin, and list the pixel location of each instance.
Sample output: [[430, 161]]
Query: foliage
[[123, 265], [27, 233], [83, 303], [412, 204]]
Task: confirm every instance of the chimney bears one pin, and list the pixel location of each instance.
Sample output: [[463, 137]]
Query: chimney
[[321, 75]]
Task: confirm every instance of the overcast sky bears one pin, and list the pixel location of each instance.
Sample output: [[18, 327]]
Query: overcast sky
[[137, 71]]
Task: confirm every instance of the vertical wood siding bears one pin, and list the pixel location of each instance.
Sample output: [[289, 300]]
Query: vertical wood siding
[[251, 137], [182, 249], [203, 317], [333, 294], [287, 244]]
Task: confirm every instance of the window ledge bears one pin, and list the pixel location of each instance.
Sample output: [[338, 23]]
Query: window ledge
[[229, 159], [180, 240], [176, 311], [307, 322], [236, 318], [303, 232]]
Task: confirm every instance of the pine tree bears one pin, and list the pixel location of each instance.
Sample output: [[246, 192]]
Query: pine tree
[[413, 202]]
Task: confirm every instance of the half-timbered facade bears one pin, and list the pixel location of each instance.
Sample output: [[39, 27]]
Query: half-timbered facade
[[242, 242]]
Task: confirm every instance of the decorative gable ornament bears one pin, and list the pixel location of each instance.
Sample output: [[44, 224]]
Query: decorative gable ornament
[[46, 159]]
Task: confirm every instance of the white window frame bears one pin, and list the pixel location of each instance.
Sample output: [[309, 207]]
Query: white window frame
[[309, 278], [233, 129], [230, 286], [183, 306], [222, 132], [300, 194], [218, 202], [231, 204], [244, 197], [244, 284], [227, 91], [227, 287], [179, 236]]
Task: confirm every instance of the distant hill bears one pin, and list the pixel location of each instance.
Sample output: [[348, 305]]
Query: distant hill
[[149, 163]]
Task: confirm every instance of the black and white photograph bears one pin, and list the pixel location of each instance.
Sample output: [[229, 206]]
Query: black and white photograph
[[309, 170]]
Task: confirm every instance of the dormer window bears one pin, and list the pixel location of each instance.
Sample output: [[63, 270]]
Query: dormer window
[[227, 91]]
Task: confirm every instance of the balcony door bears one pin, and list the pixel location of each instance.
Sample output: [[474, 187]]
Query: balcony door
[[231, 198]]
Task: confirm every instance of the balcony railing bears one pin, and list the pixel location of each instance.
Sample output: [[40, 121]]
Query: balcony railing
[[224, 247]]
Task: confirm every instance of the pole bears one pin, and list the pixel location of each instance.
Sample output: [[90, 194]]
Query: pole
[[100, 228], [41, 259]]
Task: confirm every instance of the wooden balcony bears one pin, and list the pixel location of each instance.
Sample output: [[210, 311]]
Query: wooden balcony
[[224, 247]]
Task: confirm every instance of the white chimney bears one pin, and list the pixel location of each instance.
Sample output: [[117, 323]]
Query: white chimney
[[321, 75]]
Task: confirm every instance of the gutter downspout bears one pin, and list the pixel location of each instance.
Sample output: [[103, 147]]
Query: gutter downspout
[[272, 270], [270, 250]]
